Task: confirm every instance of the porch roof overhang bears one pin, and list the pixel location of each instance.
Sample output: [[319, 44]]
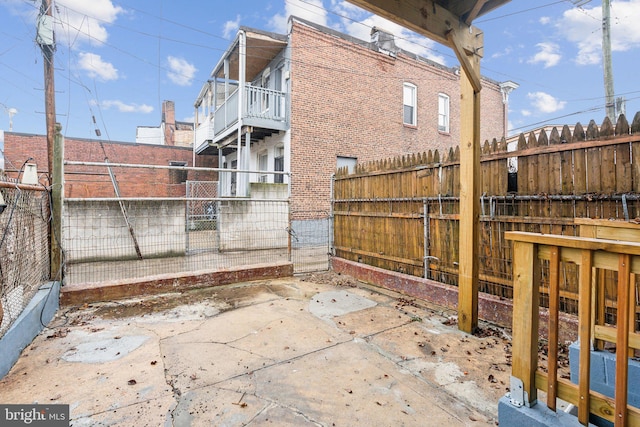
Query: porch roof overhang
[[450, 22], [261, 48], [445, 21], [228, 144]]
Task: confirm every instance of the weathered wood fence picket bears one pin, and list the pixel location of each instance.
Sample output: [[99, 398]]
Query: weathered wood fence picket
[[402, 214]]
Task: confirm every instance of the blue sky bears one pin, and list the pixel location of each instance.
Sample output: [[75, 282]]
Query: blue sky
[[117, 60]]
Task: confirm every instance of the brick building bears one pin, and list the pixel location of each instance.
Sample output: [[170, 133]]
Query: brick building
[[314, 99], [92, 181], [170, 131]]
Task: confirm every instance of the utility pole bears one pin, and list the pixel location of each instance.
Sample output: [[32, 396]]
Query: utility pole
[[47, 42], [606, 61]]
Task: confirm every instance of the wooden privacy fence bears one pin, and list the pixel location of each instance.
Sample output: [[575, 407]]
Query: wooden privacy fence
[[402, 214]]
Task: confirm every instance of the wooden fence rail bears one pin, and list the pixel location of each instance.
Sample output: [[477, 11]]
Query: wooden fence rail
[[589, 255], [402, 214]]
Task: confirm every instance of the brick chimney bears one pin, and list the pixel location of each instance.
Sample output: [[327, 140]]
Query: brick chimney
[[384, 41], [169, 121]]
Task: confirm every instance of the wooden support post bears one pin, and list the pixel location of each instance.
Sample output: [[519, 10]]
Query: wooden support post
[[469, 191], [440, 24], [57, 196], [526, 303], [622, 339], [554, 308], [584, 334]]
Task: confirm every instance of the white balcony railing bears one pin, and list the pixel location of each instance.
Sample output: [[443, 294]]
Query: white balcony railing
[[264, 103], [226, 114], [266, 106]]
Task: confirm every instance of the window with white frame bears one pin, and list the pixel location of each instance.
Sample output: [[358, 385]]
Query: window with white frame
[[443, 113], [409, 104], [278, 165], [263, 165]]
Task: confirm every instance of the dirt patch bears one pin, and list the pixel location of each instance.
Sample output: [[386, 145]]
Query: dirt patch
[[484, 358], [331, 278], [219, 298]]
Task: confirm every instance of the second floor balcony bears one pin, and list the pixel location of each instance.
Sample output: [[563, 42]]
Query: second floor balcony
[[248, 88]]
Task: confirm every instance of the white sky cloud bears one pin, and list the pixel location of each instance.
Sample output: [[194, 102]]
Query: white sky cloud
[[180, 71], [84, 21], [356, 22], [544, 20], [547, 55], [525, 113], [545, 103], [231, 27], [96, 67], [582, 26], [127, 108], [506, 51], [311, 10]]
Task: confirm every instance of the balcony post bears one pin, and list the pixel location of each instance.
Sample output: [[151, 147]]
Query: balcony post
[[226, 90], [242, 60], [195, 135], [526, 303]]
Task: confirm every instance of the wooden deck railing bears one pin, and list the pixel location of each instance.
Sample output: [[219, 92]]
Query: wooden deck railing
[[591, 255]]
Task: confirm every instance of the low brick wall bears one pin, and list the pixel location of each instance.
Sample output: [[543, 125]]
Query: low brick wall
[[81, 293], [490, 308]]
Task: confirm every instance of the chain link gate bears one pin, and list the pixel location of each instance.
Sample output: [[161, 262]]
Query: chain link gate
[[310, 232], [202, 216]]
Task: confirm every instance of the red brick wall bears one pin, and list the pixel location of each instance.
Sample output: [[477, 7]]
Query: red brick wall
[[93, 181], [347, 100]]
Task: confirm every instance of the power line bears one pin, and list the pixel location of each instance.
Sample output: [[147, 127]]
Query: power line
[[519, 12], [598, 107], [350, 71]]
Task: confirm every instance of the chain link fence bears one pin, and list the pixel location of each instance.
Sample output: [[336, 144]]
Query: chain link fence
[[24, 247], [310, 231], [202, 216], [157, 237]]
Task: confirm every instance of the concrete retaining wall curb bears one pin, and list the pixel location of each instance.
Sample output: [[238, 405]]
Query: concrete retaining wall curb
[[81, 293], [37, 313], [490, 308]]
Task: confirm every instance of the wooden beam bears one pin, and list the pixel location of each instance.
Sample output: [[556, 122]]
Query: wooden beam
[[440, 24], [631, 248], [469, 198], [426, 18], [600, 404], [473, 14], [465, 61]]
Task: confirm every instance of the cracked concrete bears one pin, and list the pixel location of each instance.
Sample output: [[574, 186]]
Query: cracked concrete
[[277, 352]]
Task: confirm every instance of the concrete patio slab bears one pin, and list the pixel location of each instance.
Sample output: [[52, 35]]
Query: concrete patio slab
[[274, 352]]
